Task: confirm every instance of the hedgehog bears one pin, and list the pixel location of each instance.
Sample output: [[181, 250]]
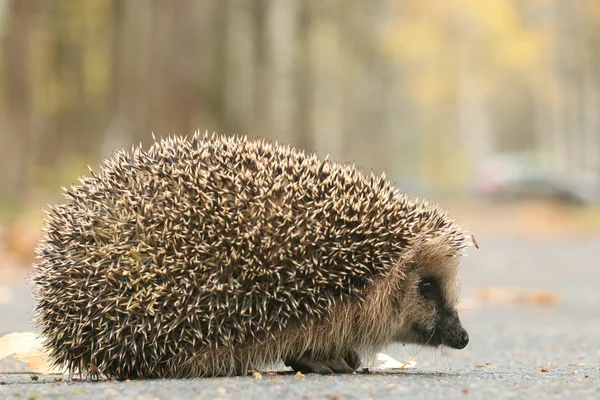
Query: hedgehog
[[216, 255]]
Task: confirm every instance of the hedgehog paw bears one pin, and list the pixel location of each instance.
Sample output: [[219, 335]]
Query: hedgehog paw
[[352, 359], [307, 364]]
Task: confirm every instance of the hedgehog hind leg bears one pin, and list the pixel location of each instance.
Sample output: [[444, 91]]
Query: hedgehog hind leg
[[353, 360], [307, 363]]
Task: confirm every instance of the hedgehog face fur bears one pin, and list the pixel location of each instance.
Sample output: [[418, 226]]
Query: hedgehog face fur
[[217, 255], [429, 301]]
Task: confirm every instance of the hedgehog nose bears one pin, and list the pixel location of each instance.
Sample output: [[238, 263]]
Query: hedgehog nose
[[463, 340]]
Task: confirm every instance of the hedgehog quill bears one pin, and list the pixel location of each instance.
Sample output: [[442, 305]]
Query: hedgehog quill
[[215, 255]]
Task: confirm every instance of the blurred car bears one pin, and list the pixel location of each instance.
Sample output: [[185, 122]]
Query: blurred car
[[510, 176]]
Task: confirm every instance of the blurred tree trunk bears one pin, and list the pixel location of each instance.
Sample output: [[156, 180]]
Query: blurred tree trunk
[[239, 84], [364, 98], [282, 32], [473, 114], [557, 109], [261, 122], [327, 100], [16, 134], [591, 97], [119, 132], [165, 85], [304, 80], [591, 117], [571, 58]]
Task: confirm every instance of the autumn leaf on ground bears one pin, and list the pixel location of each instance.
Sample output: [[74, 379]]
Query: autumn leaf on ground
[[22, 352], [518, 296], [383, 361], [20, 240]]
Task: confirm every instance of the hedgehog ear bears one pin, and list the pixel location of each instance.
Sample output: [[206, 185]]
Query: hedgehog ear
[[436, 256], [435, 250]]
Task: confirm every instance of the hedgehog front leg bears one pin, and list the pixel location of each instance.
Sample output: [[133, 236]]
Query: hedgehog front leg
[[307, 363]]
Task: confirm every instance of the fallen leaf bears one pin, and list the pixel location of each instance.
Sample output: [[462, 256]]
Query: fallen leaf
[[469, 304], [508, 295], [475, 241], [384, 361], [465, 390], [20, 240], [257, 375], [146, 396], [57, 379], [299, 374], [543, 370], [26, 347]]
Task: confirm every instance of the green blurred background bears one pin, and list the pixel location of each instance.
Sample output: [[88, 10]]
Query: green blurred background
[[480, 105]]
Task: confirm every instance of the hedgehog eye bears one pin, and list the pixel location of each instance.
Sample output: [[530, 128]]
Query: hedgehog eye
[[428, 288]]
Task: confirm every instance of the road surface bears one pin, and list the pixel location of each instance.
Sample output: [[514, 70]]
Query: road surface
[[547, 346]]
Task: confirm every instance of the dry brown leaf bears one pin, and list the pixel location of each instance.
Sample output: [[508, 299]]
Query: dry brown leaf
[[475, 241], [146, 396], [20, 240], [508, 295], [26, 347]]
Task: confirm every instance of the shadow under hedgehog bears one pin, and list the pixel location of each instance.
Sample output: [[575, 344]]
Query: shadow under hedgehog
[[215, 255]]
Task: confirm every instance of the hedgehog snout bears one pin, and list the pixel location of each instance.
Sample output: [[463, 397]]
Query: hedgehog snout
[[451, 331], [447, 330]]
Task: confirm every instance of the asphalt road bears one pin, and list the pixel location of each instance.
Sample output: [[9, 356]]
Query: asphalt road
[[521, 351]]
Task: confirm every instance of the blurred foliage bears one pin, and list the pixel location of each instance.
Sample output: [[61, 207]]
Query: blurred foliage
[[427, 90]]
